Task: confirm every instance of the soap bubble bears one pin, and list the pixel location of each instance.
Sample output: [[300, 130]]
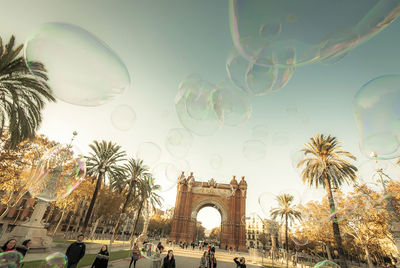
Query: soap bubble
[[254, 150], [10, 259], [260, 132], [326, 263], [312, 194], [295, 157], [254, 79], [288, 33], [82, 69], [216, 161], [236, 68], [178, 142], [376, 173], [166, 175], [149, 152], [195, 108], [252, 218], [261, 80], [150, 251], [182, 165], [300, 241], [377, 115], [55, 260], [231, 106], [267, 201], [59, 171], [123, 117]]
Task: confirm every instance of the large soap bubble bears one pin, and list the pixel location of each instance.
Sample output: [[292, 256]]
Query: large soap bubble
[[375, 174], [194, 106], [150, 251], [165, 175], [289, 33], [230, 105], [59, 171], [254, 79], [178, 142], [82, 69], [123, 117], [377, 114], [326, 263], [55, 260], [10, 259], [149, 152]]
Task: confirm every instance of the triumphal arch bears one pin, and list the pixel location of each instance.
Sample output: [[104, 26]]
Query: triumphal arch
[[228, 199]]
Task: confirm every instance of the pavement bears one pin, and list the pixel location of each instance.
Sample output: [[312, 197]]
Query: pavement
[[180, 261]]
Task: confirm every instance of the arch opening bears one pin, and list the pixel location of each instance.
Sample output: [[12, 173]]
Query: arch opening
[[209, 218]]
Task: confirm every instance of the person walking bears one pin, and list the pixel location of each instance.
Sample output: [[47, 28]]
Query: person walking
[[23, 249], [212, 261], [169, 260], [75, 252], [9, 245], [159, 245], [101, 260], [203, 260], [240, 262], [135, 255], [156, 257]]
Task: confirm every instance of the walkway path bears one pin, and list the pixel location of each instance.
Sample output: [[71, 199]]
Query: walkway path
[[181, 262]]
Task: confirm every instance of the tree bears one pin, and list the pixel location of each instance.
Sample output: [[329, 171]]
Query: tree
[[215, 233], [366, 229], [104, 161], [135, 171], [325, 165], [148, 198], [23, 92], [286, 212], [16, 167]]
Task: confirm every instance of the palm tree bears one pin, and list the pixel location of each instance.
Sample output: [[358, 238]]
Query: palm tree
[[148, 198], [136, 171], [325, 165], [103, 161], [23, 92], [286, 211]]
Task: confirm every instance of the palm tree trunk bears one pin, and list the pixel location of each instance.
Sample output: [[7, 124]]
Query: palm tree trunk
[[335, 225], [136, 221], [92, 202], [94, 228], [128, 196], [286, 240]]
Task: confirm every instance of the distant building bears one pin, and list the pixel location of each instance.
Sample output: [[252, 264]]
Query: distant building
[[254, 228]]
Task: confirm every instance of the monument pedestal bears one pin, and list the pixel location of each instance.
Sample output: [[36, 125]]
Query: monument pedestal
[[33, 229]]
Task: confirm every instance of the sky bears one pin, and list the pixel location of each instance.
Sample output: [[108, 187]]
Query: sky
[[162, 42]]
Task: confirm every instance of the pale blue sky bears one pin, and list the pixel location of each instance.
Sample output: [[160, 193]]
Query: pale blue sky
[[161, 42]]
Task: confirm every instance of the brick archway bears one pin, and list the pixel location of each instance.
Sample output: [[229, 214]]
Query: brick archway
[[228, 199]]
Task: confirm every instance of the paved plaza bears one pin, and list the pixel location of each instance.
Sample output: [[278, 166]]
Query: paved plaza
[[181, 262]]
